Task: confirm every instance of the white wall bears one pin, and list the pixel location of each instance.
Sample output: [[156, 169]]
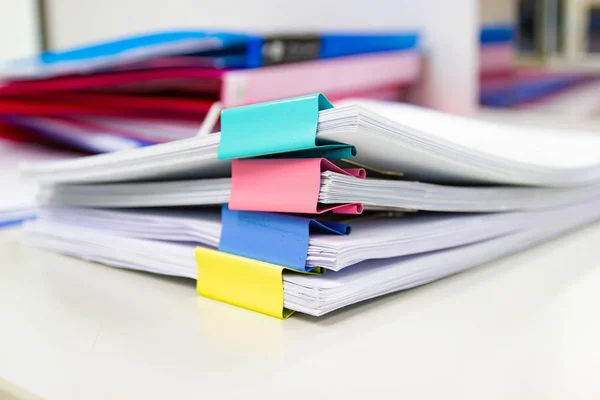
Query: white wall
[[451, 76], [19, 30], [450, 28], [78, 21]]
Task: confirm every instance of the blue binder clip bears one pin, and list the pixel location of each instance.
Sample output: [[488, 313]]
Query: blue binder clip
[[279, 239]]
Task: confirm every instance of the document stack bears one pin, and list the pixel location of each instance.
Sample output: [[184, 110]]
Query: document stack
[[18, 200], [155, 88], [319, 207]]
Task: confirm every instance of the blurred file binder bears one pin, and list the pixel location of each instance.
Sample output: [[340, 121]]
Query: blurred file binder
[[107, 97], [305, 157], [497, 51], [506, 84], [206, 48], [530, 87]]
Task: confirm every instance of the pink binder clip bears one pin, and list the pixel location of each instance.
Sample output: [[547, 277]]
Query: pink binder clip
[[285, 185]]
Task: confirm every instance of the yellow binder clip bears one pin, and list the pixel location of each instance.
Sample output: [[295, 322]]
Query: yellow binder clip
[[241, 281]]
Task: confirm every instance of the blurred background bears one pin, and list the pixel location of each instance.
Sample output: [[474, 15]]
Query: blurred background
[[86, 76], [543, 36]]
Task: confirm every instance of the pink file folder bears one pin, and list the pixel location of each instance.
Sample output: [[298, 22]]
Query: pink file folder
[[186, 94], [497, 59], [336, 78]]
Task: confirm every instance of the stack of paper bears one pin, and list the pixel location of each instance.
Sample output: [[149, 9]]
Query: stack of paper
[[448, 246], [18, 200], [380, 236], [335, 188], [155, 88], [526, 185], [371, 279], [418, 143]]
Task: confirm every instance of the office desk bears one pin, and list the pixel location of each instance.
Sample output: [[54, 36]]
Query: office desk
[[525, 327]]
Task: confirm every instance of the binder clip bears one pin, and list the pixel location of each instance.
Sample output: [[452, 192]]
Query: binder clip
[[284, 126], [255, 250], [285, 185]]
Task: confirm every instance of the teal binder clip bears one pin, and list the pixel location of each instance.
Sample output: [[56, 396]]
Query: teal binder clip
[[284, 126]]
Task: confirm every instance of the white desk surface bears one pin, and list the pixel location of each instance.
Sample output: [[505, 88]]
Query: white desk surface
[[525, 327]]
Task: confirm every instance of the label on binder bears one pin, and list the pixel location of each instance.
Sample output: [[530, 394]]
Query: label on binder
[[285, 185], [274, 238], [283, 126], [282, 49]]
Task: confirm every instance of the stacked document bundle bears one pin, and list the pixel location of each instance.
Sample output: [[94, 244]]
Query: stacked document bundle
[[17, 202], [318, 207], [155, 88]]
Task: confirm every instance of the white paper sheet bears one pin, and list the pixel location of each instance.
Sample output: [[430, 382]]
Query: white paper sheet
[[371, 238], [335, 189], [378, 277], [17, 200]]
